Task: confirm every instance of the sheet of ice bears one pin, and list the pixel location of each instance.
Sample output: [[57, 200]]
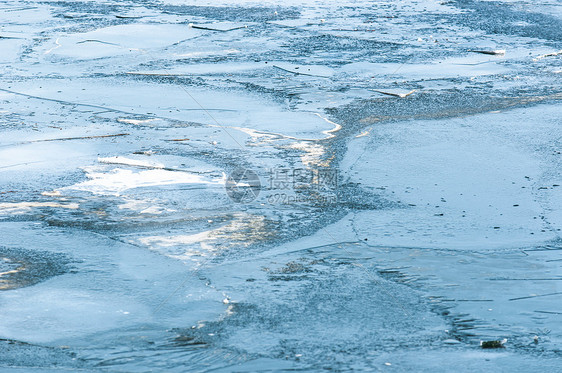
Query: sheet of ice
[[130, 162], [472, 183], [120, 39], [450, 68], [217, 108], [118, 122], [112, 286]]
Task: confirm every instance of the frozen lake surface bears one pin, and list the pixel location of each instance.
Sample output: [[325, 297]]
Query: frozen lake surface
[[241, 186]]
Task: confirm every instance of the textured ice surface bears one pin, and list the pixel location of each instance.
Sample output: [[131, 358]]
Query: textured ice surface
[[121, 251], [471, 183]]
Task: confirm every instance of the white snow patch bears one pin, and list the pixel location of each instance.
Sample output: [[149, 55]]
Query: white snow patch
[[119, 180], [168, 241]]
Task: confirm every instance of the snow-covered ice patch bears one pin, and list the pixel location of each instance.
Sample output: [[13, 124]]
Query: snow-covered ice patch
[[119, 180]]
